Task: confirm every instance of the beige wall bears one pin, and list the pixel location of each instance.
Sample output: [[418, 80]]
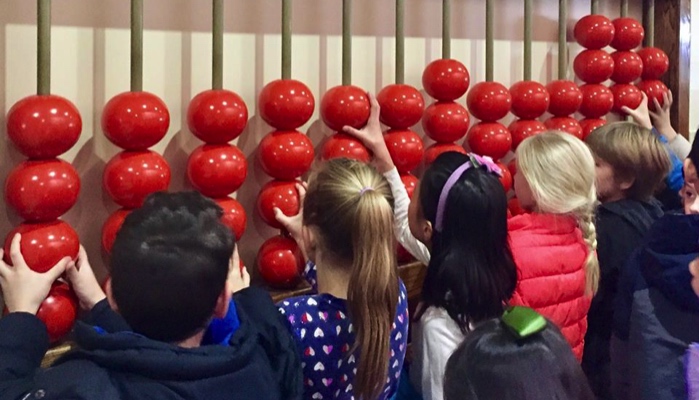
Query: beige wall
[[91, 62]]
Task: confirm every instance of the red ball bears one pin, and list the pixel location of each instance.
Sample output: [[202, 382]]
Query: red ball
[[44, 126], [135, 120], [446, 80], [280, 262], [341, 145], [512, 166], [489, 101], [514, 207], [410, 182], [506, 178], [111, 227], [655, 63], [234, 216], [131, 176], [530, 99], [490, 139], [217, 170], [628, 34], [345, 106], [278, 194], [401, 106], [286, 104], [42, 190], [593, 66], [594, 31], [628, 66], [406, 149], [44, 244], [522, 129], [403, 256], [566, 98], [437, 149], [626, 95], [446, 122], [598, 100], [286, 155], [217, 116], [654, 90], [590, 124], [565, 124], [58, 311]]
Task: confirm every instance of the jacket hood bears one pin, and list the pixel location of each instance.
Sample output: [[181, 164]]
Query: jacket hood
[[638, 214], [672, 243]]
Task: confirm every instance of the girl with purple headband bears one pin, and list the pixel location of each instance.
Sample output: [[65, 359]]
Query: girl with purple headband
[[457, 224]]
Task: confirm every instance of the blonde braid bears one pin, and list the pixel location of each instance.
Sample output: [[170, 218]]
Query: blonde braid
[[592, 274]]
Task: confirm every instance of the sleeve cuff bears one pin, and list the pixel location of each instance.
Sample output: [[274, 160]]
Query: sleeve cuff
[[23, 341], [103, 316]]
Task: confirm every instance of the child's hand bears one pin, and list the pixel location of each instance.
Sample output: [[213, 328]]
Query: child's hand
[[661, 117], [640, 115], [238, 278], [82, 280], [23, 289], [293, 224], [372, 137]]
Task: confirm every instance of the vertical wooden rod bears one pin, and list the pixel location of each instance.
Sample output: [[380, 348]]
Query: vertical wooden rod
[[624, 12], [489, 41], [286, 39], [527, 40], [400, 41], [43, 70], [649, 23], [446, 29], [217, 50], [136, 45], [562, 45], [594, 6], [346, 42]]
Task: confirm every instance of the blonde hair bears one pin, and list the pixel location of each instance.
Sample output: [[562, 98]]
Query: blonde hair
[[560, 171], [634, 153], [351, 205]]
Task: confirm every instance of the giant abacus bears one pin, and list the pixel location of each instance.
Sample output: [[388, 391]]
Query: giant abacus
[[43, 188]]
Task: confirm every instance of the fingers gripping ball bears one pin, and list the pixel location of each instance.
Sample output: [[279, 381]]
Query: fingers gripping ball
[[566, 98], [401, 106], [111, 228], [42, 190], [406, 149], [135, 120], [217, 170], [286, 104], [280, 262], [131, 176], [217, 116], [445, 79], [286, 155], [345, 106], [446, 122], [277, 194], [44, 244], [654, 90], [341, 145], [626, 95], [59, 311], [490, 139], [44, 126], [565, 124], [489, 101], [437, 149], [234, 216], [594, 31]]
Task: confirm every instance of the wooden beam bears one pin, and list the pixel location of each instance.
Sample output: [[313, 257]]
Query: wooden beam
[[672, 34]]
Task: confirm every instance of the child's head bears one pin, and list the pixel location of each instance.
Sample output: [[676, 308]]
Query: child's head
[[169, 266], [348, 222], [690, 200], [461, 210], [691, 163], [495, 363], [694, 270], [556, 175], [630, 161]]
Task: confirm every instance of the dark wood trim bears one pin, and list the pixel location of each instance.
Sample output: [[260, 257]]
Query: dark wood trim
[[672, 34]]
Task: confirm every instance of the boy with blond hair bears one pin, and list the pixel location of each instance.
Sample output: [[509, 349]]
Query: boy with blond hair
[[630, 164]]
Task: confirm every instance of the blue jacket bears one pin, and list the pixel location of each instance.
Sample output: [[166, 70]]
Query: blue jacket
[[675, 179], [259, 361], [657, 313]]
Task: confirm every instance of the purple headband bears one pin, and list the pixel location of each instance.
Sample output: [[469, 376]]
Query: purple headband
[[474, 160]]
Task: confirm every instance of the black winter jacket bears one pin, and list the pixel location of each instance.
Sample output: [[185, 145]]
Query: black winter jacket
[[260, 361]]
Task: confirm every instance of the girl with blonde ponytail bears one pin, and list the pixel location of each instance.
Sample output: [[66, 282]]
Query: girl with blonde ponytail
[[555, 245], [352, 334]]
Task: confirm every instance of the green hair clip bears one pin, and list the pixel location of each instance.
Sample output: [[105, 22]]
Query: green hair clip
[[523, 321]]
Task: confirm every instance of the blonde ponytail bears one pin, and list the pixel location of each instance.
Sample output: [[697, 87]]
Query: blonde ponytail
[[560, 171], [351, 205]]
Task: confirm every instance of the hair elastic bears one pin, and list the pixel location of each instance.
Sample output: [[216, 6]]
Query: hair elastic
[[523, 321], [474, 160], [366, 189]]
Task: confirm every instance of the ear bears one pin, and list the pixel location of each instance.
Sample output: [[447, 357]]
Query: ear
[[626, 183], [223, 301], [427, 231], [310, 242], [110, 297]]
